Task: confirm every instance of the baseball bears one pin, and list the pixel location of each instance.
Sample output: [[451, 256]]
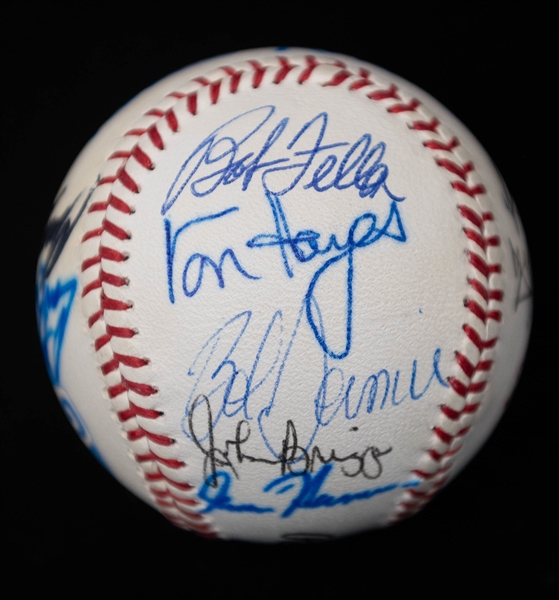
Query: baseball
[[284, 295]]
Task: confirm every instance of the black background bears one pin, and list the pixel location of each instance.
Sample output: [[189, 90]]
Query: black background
[[64, 72]]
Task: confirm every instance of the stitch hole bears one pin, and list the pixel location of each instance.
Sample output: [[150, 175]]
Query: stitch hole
[[125, 256]]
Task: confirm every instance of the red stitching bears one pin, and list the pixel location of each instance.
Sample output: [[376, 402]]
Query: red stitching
[[159, 476], [172, 121], [90, 262], [312, 63], [364, 80], [479, 288], [98, 206], [473, 191], [127, 181], [478, 263], [452, 414], [476, 309], [432, 126], [135, 132], [168, 462], [94, 318], [91, 234], [443, 435], [471, 215], [155, 138], [258, 75], [115, 280], [111, 254], [476, 237], [338, 78], [465, 364], [400, 108], [437, 145], [168, 501], [391, 92], [286, 67], [112, 304], [115, 231], [454, 168]]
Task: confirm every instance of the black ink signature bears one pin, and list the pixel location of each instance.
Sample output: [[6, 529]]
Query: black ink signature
[[57, 232], [238, 390], [521, 265], [293, 459]]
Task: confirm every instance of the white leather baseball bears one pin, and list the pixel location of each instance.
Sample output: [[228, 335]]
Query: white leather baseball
[[284, 294]]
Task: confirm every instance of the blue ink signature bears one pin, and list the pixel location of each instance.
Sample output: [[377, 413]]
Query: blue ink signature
[[309, 496], [229, 159], [54, 304], [236, 390], [363, 232], [53, 309], [171, 239], [240, 150], [215, 491]]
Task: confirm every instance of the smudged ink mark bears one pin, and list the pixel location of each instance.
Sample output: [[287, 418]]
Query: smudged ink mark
[[521, 265], [511, 207], [58, 231]]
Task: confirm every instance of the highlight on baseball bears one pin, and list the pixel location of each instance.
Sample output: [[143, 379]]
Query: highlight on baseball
[[284, 295]]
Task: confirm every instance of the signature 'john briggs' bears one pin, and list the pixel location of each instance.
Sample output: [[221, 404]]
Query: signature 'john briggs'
[[293, 459]]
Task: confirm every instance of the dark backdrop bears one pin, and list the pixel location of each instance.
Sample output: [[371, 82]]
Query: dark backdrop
[[65, 520]]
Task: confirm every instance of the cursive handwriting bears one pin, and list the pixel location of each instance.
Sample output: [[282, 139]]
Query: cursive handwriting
[[250, 391], [309, 494], [256, 146], [241, 149], [197, 260], [293, 458], [305, 246]]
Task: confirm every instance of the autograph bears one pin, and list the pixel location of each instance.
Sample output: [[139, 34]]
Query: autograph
[[252, 392], [309, 494], [293, 459], [240, 151], [226, 156]]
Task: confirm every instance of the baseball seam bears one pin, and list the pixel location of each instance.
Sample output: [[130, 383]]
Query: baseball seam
[[104, 291]]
